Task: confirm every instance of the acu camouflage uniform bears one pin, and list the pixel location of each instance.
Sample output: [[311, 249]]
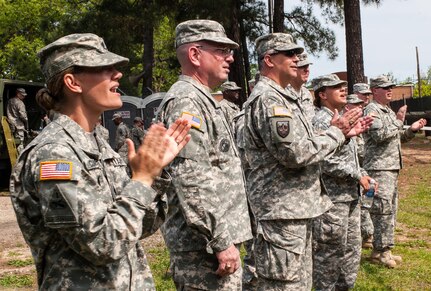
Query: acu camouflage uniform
[[207, 203], [17, 116], [336, 233], [382, 161], [306, 100], [367, 228], [137, 135], [284, 186], [84, 219], [103, 132], [230, 110], [249, 275], [121, 134]]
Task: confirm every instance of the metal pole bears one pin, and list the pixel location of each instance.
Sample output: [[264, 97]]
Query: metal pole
[[419, 73]]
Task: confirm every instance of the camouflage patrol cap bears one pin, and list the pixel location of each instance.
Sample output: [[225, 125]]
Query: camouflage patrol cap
[[229, 86], [116, 115], [79, 49], [381, 82], [276, 42], [22, 91], [361, 88], [353, 99], [199, 30], [330, 80], [303, 60], [138, 119]]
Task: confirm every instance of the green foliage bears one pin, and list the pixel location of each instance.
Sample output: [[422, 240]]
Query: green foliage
[[20, 263], [16, 281], [25, 27], [425, 85], [166, 67]]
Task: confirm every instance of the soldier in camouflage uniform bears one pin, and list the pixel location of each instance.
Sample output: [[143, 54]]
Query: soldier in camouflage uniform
[[382, 161], [249, 275], [137, 132], [17, 116], [230, 92], [336, 233], [208, 216], [297, 86], [78, 210], [121, 134], [363, 91], [102, 131], [283, 182], [367, 228]]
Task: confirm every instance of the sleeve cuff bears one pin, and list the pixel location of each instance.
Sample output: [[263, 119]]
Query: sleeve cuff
[[141, 192], [161, 184], [220, 243]]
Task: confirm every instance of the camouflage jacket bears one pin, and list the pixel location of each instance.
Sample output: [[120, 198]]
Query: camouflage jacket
[[361, 148], [284, 155], [341, 171], [230, 110], [207, 203], [80, 213], [238, 133], [102, 131], [383, 139], [306, 100], [17, 114], [137, 136], [121, 134]]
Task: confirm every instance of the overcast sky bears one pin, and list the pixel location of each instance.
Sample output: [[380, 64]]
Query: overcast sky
[[390, 33]]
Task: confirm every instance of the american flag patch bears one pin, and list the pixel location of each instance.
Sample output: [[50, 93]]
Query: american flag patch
[[194, 121], [55, 170], [281, 111]]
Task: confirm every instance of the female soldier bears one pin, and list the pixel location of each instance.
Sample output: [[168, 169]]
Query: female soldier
[[80, 213]]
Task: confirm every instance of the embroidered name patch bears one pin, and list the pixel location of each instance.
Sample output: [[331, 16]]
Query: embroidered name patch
[[55, 170], [194, 121], [281, 111]]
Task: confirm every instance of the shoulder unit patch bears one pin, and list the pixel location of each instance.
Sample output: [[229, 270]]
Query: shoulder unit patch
[[281, 111]]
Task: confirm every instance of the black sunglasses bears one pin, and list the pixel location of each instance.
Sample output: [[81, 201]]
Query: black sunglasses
[[289, 53]]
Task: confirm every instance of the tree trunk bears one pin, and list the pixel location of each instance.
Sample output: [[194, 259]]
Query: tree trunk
[[148, 58], [354, 53], [278, 16], [245, 55], [237, 67]]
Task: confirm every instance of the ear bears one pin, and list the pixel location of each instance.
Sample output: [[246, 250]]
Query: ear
[[268, 61], [72, 83], [322, 95], [194, 56]]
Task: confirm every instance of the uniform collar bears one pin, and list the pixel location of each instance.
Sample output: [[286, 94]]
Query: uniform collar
[[278, 88], [202, 88], [78, 135]]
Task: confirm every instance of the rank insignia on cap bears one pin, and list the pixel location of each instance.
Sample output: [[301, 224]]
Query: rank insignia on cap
[[194, 121], [55, 170], [281, 111]]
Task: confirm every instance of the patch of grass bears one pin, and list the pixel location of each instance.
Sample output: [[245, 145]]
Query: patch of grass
[[20, 263], [16, 281], [415, 216], [13, 254], [158, 258]]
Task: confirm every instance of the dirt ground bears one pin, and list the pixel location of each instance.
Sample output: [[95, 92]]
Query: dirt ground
[[13, 246]]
